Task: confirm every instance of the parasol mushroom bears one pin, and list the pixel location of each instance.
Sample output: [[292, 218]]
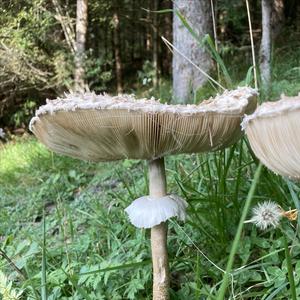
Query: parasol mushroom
[[273, 133], [105, 128]]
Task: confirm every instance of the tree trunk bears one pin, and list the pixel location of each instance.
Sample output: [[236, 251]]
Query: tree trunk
[[292, 13], [166, 56], [265, 47], [81, 30], [155, 44], [148, 27], [133, 33], [65, 21], [117, 53], [277, 18], [158, 188], [187, 79]]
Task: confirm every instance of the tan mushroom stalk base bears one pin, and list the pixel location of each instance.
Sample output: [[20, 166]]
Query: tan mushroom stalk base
[[153, 211], [104, 128], [158, 188]]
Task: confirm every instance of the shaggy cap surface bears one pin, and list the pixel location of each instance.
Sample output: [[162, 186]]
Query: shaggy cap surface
[[104, 128]]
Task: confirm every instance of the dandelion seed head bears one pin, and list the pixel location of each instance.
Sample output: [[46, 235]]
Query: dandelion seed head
[[266, 214]]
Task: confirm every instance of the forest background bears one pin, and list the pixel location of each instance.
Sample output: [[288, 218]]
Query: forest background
[[122, 48]]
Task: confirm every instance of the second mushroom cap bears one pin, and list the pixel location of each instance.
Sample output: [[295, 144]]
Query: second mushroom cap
[[273, 132]]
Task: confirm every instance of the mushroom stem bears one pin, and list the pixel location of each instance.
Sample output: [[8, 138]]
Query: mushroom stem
[[158, 188]]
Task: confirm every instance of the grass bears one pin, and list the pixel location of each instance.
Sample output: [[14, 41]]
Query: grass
[[77, 221], [90, 251], [238, 234]]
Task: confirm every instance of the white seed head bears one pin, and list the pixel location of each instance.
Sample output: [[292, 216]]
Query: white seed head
[[266, 214]]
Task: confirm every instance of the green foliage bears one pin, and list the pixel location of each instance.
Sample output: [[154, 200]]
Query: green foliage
[[92, 252], [24, 114], [233, 20], [37, 52], [37, 59], [147, 74], [32, 58], [96, 72], [6, 290]]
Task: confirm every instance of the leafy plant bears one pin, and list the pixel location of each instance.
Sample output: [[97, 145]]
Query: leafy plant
[[7, 292]]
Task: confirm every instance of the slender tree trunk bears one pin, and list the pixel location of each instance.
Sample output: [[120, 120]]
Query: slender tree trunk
[[166, 56], [221, 16], [133, 33], [158, 188], [117, 52], [148, 27], [297, 14], [81, 30], [142, 36], [187, 79], [277, 17], [65, 21], [155, 45], [105, 43], [265, 47], [292, 12]]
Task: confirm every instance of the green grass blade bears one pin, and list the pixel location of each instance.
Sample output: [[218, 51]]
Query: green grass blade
[[186, 24], [249, 76], [290, 268], [79, 289], [44, 264], [236, 241], [216, 56], [207, 40], [294, 198], [198, 278], [276, 292]]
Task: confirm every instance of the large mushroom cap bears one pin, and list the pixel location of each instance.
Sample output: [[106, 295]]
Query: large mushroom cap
[[105, 128], [273, 132]]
